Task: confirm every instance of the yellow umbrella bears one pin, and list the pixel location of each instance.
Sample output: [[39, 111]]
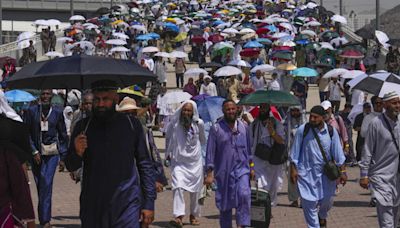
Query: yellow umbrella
[[130, 90], [172, 20], [182, 36], [286, 66], [224, 11], [117, 22]]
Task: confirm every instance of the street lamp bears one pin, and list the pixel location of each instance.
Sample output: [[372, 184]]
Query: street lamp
[[71, 6], [1, 20], [377, 21]]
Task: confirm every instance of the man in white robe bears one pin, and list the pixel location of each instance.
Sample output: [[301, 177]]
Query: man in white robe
[[185, 135]]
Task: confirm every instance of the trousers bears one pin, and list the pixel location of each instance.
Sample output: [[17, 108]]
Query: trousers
[[293, 191], [179, 203], [44, 175], [311, 212], [243, 206], [388, 217]]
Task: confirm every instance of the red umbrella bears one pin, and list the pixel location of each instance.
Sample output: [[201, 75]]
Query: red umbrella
[[352, 54], [262, 24], [198, 40], [283, 48], [250, 52], [256, 110], [262, 31], [216, 38]]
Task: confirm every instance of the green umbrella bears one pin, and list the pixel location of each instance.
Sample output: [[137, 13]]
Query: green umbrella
[[283, 55], [272, 97]]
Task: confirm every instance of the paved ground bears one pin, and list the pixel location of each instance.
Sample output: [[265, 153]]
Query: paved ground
[[350, 208]]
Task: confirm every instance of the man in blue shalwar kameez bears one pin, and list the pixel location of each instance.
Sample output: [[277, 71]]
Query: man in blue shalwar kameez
[[119, 186], [228, 157], [316, 190]]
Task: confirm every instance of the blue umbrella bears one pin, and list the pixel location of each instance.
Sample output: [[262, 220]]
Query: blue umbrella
[[154, 35], [264, 40], [253, 44], [302, 42], [271, 28], [18, 96], [210, 108], [144, 37], [305, 72], [171, 26], [216, 23]]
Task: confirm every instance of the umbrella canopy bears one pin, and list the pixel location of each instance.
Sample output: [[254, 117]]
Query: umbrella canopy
[[253, 44], [239, 63], [304, 72], [216, 38], [211, 65], [249, 52], [286, 66], [351, 74], [375, 83], [382, 37], [25, 43], [18, 96], [227, 71], [79, 72], [278, 98], [198, 40], [163, 54], [116, 42], [178, 54], [77, 18], [352, 54], [262, 68], [172, 100], [195, 72], [120, 35], [119, 49], [365, 33], [130, 90], [210, 108], [25, 36], [335, 73], [339, 18], [54, 54], [150, 49], [144, 37]]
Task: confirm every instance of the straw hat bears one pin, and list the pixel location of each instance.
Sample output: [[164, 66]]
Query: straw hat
[[127, 104]]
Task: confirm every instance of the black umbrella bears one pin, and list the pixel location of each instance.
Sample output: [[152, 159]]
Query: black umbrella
[[102, 11], [79, 72], [210, 65], [365, 33]]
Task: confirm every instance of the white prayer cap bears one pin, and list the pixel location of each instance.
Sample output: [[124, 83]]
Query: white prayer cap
[[390, 96], [326, 105], [207, 77]]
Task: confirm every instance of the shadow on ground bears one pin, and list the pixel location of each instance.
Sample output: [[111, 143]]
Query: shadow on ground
[[351, 204]]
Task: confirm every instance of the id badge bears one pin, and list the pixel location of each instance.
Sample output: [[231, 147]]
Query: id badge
[[44, 125]]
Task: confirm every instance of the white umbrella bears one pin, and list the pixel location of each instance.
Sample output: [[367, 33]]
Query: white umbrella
[[311, 5], [246, 31], [116, 42], [308, 32], [195, 72], [268, 20], [224, 25], [313, 24], [25, 36], [40, 22], [287, 26], [163, 55], [54, 54], [382, 37], [139, 27], [335, 73], [172, 100], [24, 44], [248, 36], [227, 71], [77, 18], [289, 43], [262, 68], [63, 39], [240, 63], [150, 49], [353, 74], [326, 45], [85, 44], [279, 19], [53, 22], [119, 49], [388, 87], [339, 41], [279, 35], [339, 18], [178, 54], [230, 31]]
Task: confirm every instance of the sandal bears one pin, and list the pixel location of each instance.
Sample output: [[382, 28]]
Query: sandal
[[177, 223], [194, 222]]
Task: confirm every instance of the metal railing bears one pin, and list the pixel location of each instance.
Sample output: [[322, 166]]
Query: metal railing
[[87, 5]]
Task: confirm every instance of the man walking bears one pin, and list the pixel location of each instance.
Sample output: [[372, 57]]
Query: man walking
[[379, 166], [185, 135], [49, 142], [334, 94], [119, 185], [228, 157], [266, 130], [307, 165]]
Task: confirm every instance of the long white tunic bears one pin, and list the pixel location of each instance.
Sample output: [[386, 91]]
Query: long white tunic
[[184, 148]]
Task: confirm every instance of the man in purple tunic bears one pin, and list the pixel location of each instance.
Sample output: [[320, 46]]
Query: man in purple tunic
[[229, 159]]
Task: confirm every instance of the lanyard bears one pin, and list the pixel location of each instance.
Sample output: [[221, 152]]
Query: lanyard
[[48, 115]]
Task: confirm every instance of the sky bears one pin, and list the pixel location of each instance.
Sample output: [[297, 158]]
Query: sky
[[359, 5]]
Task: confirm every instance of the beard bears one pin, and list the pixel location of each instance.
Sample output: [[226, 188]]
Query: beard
[[104, 113], [186, 121]]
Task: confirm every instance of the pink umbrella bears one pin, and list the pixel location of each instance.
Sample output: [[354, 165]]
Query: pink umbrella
[[352, 54]]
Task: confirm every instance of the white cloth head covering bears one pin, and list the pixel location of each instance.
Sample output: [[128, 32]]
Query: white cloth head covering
[[6, 109], [177, 114]]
